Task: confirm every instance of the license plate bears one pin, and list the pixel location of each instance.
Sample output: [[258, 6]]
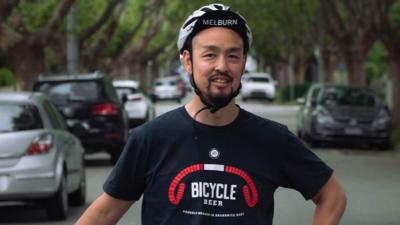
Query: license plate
[[353, 131], [3, 183]]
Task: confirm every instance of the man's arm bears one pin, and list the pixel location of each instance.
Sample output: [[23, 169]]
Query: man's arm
[[105, 210], [330, 203]]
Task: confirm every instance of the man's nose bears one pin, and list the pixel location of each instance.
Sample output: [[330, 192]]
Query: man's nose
[[222, 64]]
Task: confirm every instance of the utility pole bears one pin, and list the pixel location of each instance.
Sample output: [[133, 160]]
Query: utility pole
[[72, 42], [291, 77], [320, 63]]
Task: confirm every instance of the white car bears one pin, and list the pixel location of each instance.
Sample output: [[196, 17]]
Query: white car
[[258, 86], [40, 161], [167, 88], [139, 108]]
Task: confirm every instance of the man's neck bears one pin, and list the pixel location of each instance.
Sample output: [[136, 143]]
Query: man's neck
[[222, 117]]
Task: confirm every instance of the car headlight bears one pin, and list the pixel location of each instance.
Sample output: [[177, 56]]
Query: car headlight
[[323, 116], [382, 119]]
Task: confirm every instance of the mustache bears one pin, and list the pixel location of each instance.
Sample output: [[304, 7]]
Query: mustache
[[220, 75]]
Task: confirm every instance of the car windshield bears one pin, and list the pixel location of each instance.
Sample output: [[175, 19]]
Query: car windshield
[[259, 79], [349, 97], [72, 91], [19, 117], [121, 91]]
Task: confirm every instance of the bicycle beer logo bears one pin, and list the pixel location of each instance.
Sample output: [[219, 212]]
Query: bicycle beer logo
[[209, 192]]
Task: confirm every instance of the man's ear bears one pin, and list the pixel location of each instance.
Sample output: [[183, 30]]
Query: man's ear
[[187, 62]]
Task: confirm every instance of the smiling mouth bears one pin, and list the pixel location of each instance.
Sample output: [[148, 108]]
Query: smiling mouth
[[220, 79]]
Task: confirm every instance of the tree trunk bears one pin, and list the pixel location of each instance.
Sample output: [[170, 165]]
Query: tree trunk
[[394, 59], [280, 72], [300, 68], [143, 76], [27, 61], [330, 62], [354, 60], [120, 68]]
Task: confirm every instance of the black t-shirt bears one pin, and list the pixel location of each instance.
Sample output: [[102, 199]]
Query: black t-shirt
[[191, 173]]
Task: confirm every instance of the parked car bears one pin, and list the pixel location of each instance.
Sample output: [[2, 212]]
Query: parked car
[[40, 160], [343, 114], [169, 88], [258, 86], [91, 108], [139, 108]]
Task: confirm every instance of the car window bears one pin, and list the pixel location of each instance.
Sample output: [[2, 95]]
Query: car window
[[55, 118], [121, 91], [173, 82], [72, 91], [259, 79], [19, 117], [313, 96], [349, 97], [110, 90]]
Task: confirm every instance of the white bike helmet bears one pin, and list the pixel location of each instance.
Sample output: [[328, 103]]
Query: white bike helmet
[[214, 15]]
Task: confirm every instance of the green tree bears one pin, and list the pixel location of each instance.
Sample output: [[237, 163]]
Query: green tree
[[26, 28]]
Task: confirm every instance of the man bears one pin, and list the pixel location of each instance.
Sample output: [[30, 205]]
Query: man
[[211, 162]]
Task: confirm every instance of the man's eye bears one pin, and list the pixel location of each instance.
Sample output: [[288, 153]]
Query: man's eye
[[234, 57], [210, 55]]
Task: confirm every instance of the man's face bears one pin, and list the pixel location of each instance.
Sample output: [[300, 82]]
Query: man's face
[[218, 61]]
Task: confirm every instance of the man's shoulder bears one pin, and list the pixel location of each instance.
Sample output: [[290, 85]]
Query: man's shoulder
[[257, 121], [162, 122]]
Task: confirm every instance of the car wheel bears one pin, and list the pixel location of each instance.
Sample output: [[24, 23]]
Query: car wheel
[[78, 197], [57, 206]]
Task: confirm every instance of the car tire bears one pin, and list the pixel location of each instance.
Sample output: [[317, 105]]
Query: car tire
[[57, 206], [78, 197]]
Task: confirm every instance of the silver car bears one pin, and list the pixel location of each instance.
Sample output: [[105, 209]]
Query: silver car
[[258, 86], [169, 88], [40, 161], [140, 109], [340, 114]]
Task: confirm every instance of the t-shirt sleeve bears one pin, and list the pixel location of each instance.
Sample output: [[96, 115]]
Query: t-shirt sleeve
[[127, 180], [302, 169]]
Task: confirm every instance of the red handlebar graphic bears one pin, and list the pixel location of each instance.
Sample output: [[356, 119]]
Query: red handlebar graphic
[[249, 191]]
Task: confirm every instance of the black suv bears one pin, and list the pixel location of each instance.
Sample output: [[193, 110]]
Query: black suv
[[91, 108]]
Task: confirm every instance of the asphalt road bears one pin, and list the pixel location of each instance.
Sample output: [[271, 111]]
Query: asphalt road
[[370, 177]]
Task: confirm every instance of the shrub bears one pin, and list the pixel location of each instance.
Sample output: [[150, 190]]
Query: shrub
[[299, 90], [7, 77], [395, 138]]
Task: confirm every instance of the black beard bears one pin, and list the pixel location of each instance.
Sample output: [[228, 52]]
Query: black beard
[[219, 100], [214, 101]]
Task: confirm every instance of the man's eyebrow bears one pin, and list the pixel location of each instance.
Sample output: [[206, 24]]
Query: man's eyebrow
[[215, 48]]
